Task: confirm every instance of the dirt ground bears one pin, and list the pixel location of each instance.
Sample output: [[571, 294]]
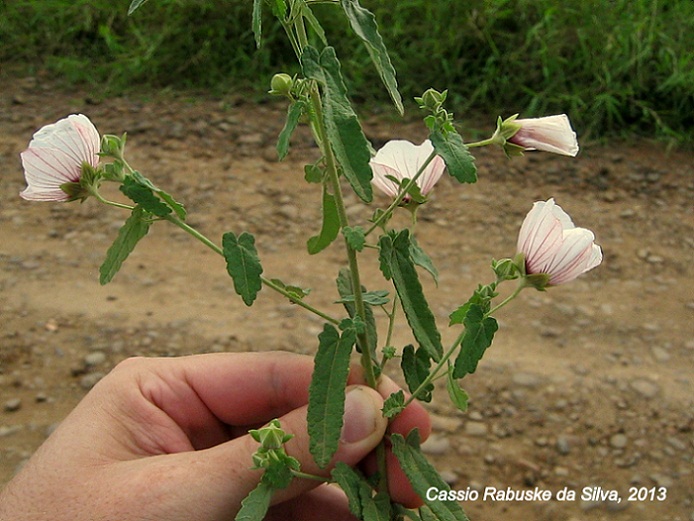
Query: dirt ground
[[586, 385]]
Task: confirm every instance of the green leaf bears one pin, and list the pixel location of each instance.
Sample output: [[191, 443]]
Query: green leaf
[[376, 508], [362, 502], [421, 259], [394, 404], [346, 291], [294, 113], [134, 229], [415, 367], [144, 196], [243, 265], [413, 191], [481, 297], [479, 333], [395, 259], [356, 237], [257, 21], [142, 191], [255, 505], [330, 228], [456, 393], [422, 476], [459, 162], [296, 292], [313, 22], [377, 297], [135, 5], [326, 402], [346, 138], [351, 482], [314, 173], [364, 24]]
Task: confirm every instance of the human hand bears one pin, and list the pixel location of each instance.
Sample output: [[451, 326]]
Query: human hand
[[166, 439]]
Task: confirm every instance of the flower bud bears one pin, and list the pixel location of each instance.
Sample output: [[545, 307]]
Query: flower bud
[[549, 134], [432, 100], [281, 84]]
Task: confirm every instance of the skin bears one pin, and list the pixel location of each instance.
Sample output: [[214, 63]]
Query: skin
[[166, 439]]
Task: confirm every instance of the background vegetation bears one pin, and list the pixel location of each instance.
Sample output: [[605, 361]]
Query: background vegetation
[[615, 66]]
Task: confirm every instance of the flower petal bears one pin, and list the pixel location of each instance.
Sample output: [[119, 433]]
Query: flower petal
[[402, 159], [549, 134], [554, 246], [55, 156]]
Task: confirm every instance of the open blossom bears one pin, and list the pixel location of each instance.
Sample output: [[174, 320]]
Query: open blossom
[[553, 246], [55, 157], [402, 160], [549, 134]]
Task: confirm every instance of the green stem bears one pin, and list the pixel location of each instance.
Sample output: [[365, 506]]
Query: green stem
[[217, 249], [435, 373], [101, 199], [485, 142], [396, 202], [304, 475]]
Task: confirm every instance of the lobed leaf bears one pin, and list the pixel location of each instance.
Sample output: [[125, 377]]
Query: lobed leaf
[[460, 163], [326, 401], [256, 504], [243, 265], [330, 227], [137, 185], [134, 229], [355, 237], [346, 137], [394, 404], [364, 24], [144, 196], [422, 476], [479, 333]]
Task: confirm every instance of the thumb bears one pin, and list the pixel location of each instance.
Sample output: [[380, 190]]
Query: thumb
[[362, 430]]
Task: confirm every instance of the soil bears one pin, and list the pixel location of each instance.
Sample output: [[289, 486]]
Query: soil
[[587, 384]]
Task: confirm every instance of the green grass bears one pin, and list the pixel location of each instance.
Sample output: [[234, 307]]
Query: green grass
[[616, 67]]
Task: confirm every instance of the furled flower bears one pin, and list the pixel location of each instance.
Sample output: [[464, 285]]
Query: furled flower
[[549, 134], [53, 163], [554, 247], [400, 159]]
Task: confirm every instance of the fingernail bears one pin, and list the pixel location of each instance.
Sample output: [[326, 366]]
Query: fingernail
[[362, 415]]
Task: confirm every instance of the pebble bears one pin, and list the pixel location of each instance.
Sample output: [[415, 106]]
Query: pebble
[[660, 354], [563, 445], [95, 358], [646, 388], [526, 380], [90, 380], [476, 428], [9, 430], [436, 445], [662, 480], [618, 441], [13, 405]]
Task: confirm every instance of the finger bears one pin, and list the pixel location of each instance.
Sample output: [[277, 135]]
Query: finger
[[324, 502], [203, 395], [229, 464]]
